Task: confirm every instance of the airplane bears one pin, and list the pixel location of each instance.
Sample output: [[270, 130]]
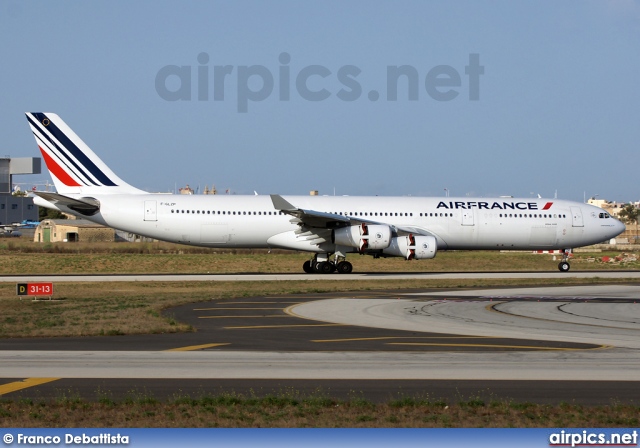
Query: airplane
[[329, 227]]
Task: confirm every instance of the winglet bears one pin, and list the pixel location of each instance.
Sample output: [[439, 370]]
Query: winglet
[[279, 203]]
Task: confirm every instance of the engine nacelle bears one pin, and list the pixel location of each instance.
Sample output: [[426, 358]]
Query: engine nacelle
[[364, 237], [419, 247]]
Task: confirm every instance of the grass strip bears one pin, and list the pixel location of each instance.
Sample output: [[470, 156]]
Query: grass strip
[[295, 410]]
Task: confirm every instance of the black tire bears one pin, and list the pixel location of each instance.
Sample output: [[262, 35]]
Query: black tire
[[325, 267], [307, 267], [344, 267], [564, 266]]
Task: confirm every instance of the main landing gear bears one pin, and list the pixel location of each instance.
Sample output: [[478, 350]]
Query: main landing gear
[[326, 266], [564, 264]]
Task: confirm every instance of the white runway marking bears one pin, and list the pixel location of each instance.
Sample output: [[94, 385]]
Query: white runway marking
[[610, 365]]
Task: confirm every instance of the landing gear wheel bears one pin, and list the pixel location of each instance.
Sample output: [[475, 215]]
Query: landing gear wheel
[[324, 267], [307, 267], [564, 266], [344, 267]]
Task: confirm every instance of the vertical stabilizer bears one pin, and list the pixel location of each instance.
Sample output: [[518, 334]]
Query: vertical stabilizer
[[75, 168]]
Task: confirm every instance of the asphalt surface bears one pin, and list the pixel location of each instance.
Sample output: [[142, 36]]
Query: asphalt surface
[[271, 326]]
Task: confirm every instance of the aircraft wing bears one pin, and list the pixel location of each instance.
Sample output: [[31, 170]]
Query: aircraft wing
[[314, 219], [86, 206]]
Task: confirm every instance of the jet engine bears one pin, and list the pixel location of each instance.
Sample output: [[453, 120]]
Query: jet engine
[[365, 236], [412, 247]]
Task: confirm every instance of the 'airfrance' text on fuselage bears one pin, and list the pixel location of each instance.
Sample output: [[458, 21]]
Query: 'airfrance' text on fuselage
[[493, 206]]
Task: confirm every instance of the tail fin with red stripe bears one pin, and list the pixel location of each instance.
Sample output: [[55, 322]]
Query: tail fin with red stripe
[[75, 168]]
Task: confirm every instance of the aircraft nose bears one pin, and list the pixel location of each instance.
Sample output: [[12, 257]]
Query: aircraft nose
[[620, 227]]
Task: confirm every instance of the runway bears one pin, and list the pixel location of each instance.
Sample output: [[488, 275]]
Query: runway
[[580, 341]]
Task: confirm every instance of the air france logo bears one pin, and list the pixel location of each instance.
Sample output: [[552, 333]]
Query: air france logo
[[492, 205]]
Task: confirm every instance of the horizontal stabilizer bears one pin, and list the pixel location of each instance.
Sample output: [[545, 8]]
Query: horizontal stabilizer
[[85, 206]]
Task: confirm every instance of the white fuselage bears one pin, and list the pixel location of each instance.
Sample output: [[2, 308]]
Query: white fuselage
[[456, 223]]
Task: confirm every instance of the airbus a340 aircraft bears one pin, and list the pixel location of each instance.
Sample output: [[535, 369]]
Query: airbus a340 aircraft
[[329, 227]]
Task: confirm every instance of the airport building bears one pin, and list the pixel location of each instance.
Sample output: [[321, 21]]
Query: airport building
[[72, 230], [15, 207]]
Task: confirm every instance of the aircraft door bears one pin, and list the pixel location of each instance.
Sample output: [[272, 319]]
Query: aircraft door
[[150, 211], [467, 217], [576, 217]]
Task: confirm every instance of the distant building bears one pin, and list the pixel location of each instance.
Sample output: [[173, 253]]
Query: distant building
[[14, 207], [212, 191], [613, 208], [186, 190], [632, 233], [72, 230]]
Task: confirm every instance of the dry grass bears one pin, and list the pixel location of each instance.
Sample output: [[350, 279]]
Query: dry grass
[[24, 257], [296, 411]]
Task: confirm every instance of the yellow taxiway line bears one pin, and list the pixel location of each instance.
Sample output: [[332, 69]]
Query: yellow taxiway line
[[382, 338], [282, 326], [238, 317], [24, 384], [236, 308], [195, 347]]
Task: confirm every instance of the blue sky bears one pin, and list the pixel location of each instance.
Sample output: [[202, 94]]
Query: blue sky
[[558, 103]]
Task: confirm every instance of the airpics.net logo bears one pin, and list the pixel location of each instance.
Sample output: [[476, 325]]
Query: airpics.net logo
[[255, 83]]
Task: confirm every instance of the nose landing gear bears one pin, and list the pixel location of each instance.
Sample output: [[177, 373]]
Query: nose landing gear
[[564, 266]]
